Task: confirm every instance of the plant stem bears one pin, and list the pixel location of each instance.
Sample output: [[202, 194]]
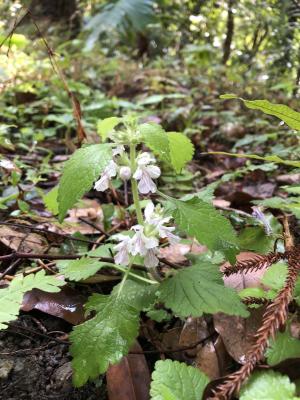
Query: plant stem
[[134, 188], [141, 278], [127, 272]]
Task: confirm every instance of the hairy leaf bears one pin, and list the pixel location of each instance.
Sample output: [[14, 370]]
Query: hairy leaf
[[207, 225], [181, 150], [82, 268], [281, 111], [284, 346], [268, 385], [199, 289], [172, 380], [106, 126], [104, 339], [50, 200], [79, 173], [11, 297], [156, 139]]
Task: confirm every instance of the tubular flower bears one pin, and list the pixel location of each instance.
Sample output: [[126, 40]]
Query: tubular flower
[[123, 249], [145, 241], [145, 172], [109, 172]]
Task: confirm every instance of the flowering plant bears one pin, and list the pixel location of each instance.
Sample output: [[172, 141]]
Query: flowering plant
[[132, 152]]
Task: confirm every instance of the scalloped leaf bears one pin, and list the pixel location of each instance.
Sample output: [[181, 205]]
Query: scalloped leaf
[[197, 290], [107, 337], [79, 173], [269, 385], [172, 380]]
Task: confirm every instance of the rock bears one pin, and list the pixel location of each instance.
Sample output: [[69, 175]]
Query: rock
[[62, 376], [5, 367]]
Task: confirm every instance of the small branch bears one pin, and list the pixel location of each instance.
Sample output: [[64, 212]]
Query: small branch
[[274, 318], [253, 264]]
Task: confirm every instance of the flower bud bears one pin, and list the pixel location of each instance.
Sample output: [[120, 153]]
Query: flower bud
[[125, 173]]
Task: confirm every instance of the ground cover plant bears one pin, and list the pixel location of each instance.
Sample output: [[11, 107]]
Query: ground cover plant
[[150, 206]]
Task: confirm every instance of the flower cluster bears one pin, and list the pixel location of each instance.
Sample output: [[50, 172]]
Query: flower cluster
[[144, 171], [145, 240]]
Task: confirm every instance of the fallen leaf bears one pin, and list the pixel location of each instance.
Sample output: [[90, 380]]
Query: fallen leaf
[[23, 241], [237, 332], [130, 379], [213, 359], [193, 331], [66, 304]]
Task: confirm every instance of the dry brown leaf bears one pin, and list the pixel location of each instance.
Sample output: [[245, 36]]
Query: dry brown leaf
[[237, 332], [193, 331], [130, 379], [213, 359], [66, 304], [25, 241]]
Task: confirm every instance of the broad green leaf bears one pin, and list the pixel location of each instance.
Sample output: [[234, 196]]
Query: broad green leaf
[[284, 346], [181, 150], [11, 297], [269, 385], [255, 239], [207, 225], [281, 111], [83, 268], [273, 158], [197, 290], [257, 292], [107, 337], [106, 126], [172, 380], [275, 276], [50, 200], [79, 173], [156, 139]]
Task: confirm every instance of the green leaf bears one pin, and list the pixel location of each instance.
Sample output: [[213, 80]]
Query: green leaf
[[273, 158], [50, 200], [106, 126], [281, 111], [199, 289], [79, 173], [207, 225], [156, 139], [173, 147], [107, 337], [268, 385], [275, 276], [83, 268], [172, 380], [11, 297], [181, 150], [284, 346], [255, 239]]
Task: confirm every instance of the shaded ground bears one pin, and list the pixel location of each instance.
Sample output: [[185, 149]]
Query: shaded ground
[[33, 366]]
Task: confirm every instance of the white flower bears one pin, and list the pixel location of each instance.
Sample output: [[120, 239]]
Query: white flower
[[110, 171], [145, 173], [119, 150], [123, 249], [125, 173], [142, 243], [150, 259], [153, 216]]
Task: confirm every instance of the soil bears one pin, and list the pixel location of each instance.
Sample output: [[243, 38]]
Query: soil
[[33, 366]]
